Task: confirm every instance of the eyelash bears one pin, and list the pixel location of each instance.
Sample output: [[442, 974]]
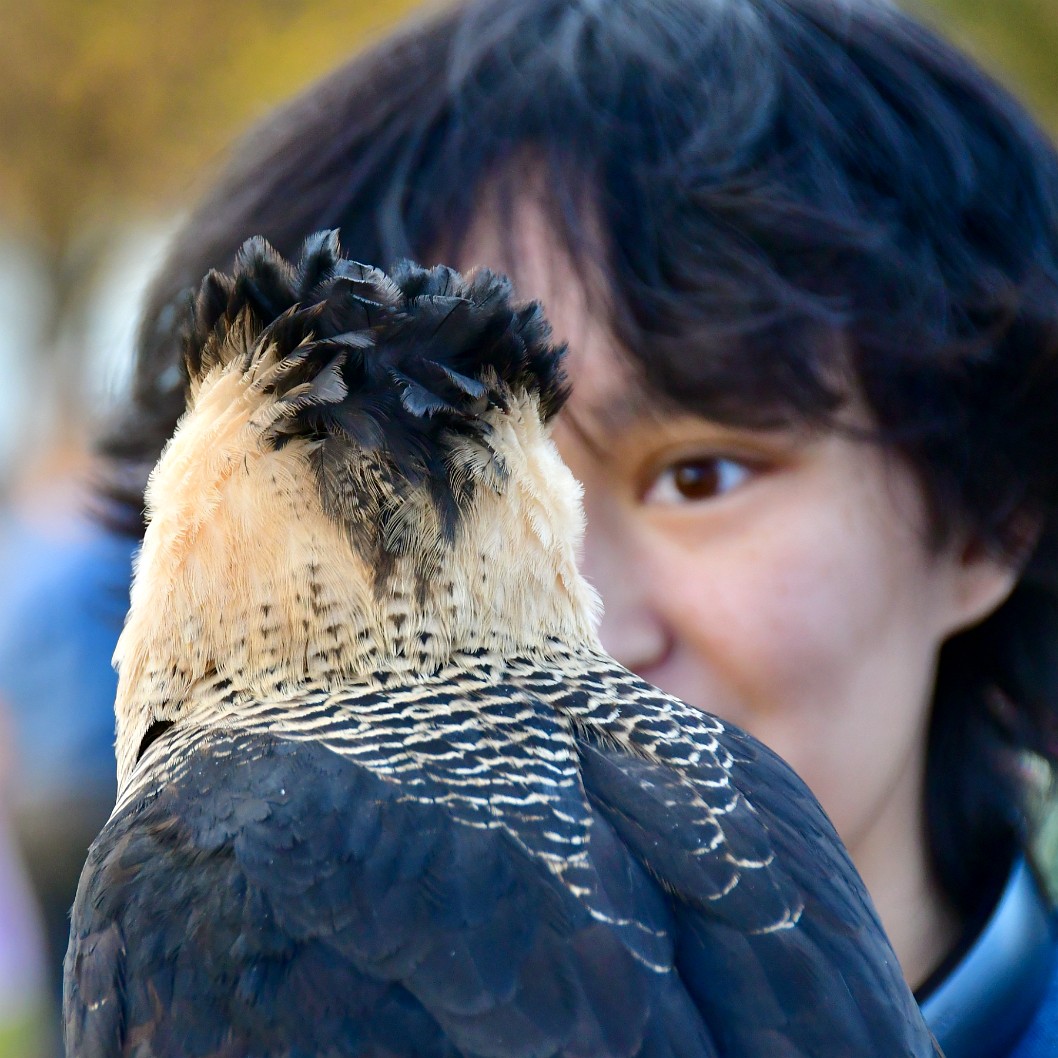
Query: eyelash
[[677, 483]]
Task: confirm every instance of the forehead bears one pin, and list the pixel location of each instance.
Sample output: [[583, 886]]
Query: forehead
[[796, 380], [522, 242], [517, 235]]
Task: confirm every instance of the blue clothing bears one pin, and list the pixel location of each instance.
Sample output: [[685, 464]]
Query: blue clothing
[[998, 996], [63, 598], [1041, 1038]]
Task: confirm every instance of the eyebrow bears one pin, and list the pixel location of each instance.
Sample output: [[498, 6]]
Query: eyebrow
[[603, 421]]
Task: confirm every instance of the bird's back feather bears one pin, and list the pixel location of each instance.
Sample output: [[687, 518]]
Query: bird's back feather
[[464, 866]]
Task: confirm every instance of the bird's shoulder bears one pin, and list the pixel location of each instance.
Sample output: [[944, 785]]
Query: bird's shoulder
[[777, 937], [703, 792], [208, 916]]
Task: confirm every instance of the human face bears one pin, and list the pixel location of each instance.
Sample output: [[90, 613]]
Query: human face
[[777, 579], [781, 579]]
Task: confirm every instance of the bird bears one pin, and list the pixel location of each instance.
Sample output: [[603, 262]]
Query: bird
[[381, 791]]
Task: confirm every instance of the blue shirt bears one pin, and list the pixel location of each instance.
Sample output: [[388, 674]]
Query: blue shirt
[[1040, 1040], [1000, 999], [63, 598]]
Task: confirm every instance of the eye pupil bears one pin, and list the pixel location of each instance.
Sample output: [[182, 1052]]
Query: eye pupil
[[698, 480]]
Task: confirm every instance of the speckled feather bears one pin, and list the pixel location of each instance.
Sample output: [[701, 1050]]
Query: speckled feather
[[420, 812]]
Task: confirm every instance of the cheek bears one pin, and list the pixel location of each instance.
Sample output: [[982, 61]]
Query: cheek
[[816, 642], [771, 614]]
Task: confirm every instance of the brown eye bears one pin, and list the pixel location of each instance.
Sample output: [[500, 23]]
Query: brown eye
[[696, 480]]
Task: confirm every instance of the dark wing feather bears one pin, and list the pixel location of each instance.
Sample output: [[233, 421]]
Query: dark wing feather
[[274, 898], [827, 985]]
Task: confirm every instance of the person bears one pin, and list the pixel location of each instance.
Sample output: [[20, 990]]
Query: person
[[62, 603], [805, 256]]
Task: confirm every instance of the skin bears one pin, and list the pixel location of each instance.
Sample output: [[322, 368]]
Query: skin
[[779, 579]]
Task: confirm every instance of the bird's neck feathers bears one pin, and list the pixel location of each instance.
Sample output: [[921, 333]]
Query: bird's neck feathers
[[245, 583]]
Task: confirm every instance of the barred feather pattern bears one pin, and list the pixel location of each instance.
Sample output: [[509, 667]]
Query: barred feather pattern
[[499, 737]]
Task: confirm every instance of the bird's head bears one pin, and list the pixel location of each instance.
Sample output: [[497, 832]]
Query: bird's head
[[363, 480]]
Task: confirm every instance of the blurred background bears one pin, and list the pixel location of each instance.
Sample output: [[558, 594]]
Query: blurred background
[[113, 116]]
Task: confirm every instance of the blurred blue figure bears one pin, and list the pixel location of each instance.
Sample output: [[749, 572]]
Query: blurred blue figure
[[63, 597]]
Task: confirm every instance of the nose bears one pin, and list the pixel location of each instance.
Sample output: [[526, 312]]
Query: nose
[[633, 630]]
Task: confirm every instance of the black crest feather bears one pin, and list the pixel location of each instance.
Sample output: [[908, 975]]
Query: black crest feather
[[402, 365], [428, 341]]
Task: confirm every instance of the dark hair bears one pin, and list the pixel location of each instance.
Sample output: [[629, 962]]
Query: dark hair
[[790, 193]]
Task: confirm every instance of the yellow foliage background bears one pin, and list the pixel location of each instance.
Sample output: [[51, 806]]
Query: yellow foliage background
[[116, 104]]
